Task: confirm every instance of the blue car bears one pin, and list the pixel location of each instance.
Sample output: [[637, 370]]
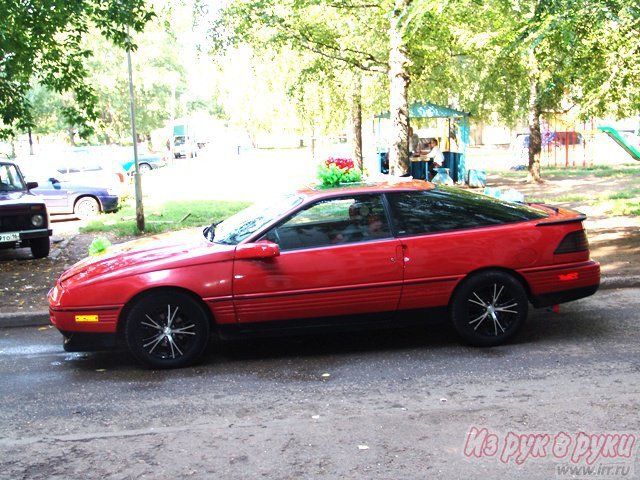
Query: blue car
[[145, 163], [67, 197]]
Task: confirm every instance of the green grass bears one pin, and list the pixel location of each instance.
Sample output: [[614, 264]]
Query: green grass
[[165, 217], [625, 194], [627, 169], [595, 170], [625, 208], [624, 202]]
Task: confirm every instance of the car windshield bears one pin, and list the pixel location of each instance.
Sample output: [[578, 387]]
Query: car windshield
[[248, 221], [10, 179]]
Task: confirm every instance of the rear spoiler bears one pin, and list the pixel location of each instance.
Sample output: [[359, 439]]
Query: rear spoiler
[[577, 219]]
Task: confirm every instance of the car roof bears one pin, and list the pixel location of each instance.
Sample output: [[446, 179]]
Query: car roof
[[397, 185]]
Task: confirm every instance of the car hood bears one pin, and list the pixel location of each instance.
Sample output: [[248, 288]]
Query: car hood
[[153, 253], [19, 198]]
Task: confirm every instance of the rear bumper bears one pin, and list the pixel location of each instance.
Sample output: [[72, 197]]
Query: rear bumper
[[562, 283], [564, 296]]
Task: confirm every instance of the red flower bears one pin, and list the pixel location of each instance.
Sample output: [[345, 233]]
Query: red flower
[[345, 164]]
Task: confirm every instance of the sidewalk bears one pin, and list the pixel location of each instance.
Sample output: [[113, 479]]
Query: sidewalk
[[41, 318]]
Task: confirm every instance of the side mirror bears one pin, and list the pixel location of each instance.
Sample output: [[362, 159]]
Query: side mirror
[[257, 251], [31, 185]]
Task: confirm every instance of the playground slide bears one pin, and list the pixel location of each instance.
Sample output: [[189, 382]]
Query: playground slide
[[620, 140]]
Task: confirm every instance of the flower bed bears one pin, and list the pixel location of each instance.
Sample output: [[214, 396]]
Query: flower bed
[[335, 171]]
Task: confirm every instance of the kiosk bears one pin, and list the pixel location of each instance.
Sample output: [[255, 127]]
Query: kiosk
[[453, 139]]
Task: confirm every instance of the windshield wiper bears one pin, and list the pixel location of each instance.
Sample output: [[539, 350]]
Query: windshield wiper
[[210, 231]]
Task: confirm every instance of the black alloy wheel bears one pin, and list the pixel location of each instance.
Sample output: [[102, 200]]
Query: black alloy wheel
[[489, 308], [167, 329]]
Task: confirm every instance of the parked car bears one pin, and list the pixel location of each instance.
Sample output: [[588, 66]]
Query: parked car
[[24, 220], [341, 258], [69, 197], [91, 166], [146, 163]]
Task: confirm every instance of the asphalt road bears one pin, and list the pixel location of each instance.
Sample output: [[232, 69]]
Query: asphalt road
[[392, 405]]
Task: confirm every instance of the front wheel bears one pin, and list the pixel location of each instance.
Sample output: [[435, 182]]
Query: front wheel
[[489, 308], [40, 247], [167, 330]]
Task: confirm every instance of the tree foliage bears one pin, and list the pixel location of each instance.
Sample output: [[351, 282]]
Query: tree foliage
[[42, 41]]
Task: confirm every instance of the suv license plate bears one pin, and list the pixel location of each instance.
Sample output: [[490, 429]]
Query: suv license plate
[[9, 237]]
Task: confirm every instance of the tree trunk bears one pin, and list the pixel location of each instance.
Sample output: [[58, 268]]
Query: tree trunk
[[398, 90], [535, 137], [356, 121], [30, 141]]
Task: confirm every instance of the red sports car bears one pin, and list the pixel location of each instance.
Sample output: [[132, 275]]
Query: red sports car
[[375, 254]]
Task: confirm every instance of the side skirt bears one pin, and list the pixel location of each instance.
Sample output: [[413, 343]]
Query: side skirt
[[311, 326]]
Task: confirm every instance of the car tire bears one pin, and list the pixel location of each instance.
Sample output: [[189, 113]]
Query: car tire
[[86, 207], [167, 329], [40, 247], [489, 308], [144, 168]]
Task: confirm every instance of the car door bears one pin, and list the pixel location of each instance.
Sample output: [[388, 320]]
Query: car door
[[337, 258], [55, 194], [446, 234]]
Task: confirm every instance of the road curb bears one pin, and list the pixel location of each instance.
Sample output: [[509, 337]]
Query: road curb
[[36, 318], [632, 281], [41, 317]]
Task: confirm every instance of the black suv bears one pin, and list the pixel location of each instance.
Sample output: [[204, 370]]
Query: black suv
[[24, 221]]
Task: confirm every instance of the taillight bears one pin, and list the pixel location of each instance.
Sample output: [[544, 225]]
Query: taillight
[[573, 242]]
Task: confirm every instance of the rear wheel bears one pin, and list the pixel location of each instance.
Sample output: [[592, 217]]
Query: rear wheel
[[86, 207], [167, 330], [40, 247], [489, 308]]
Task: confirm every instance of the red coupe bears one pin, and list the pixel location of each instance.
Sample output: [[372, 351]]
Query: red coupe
[[375, 254]]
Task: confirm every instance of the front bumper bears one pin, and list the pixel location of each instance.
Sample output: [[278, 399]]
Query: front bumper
[[88, 342], [40, 233], [110, 203], [85, 320], [25, 236]]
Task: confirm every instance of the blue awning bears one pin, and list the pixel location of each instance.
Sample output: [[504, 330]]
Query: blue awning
[[429, 110]]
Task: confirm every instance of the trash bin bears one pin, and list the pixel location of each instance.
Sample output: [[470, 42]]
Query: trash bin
[[452, 162], [383, 157], [418, 169]]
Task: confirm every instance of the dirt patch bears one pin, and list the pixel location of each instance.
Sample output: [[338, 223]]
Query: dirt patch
[[25, 282], [614, 241]]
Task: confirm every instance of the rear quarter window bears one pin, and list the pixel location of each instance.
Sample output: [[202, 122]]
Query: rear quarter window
[[446, 209]]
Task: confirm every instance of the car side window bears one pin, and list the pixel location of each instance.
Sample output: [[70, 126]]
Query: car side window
[[444, 209], [332, 222]]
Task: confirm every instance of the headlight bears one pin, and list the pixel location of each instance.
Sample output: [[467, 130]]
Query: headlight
[[37, 220]]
